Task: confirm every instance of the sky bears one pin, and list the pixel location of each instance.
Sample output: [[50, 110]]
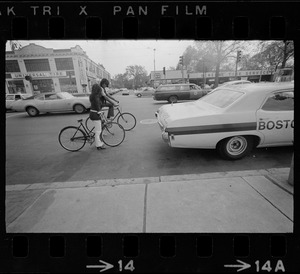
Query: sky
[[116, 55]]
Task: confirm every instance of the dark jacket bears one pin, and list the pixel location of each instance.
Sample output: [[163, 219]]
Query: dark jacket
[[97, 101]]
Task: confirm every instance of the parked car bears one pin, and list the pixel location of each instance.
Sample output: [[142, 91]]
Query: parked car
[[52, 102], [143, 92], [175, 92], [233, 119], [81, 94], [11, 98], [125, 91]]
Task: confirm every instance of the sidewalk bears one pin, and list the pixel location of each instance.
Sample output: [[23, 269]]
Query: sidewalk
[[259, 201]]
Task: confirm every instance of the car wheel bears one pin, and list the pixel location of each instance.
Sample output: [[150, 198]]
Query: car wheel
[[32, 111], [139, 95], [235, 147], [173, 99], [79, 109]]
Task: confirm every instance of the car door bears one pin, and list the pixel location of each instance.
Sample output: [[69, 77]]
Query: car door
[[55, 102], [195, 92], [10, 98], [275, 119], [184, 92]]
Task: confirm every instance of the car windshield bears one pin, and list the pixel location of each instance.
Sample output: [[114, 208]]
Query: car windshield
[[221, 98]]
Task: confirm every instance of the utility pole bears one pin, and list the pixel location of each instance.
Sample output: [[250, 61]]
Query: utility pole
[[181, 63]]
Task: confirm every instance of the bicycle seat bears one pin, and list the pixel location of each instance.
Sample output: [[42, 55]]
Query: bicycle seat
[[79, 121]]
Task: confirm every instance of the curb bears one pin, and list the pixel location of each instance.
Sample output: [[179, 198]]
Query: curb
[[148, 180]]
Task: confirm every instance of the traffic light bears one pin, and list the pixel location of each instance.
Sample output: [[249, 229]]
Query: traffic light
[[28, 78], [181, 60], [164, 70], [239, 55]]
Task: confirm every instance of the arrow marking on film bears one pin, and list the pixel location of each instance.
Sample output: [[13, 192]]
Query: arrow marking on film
[[104, 265], [241, 266]]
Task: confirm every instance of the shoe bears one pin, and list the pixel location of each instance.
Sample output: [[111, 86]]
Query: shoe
[[102, 147]]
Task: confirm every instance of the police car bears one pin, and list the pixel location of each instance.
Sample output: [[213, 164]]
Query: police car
[[232, 119]]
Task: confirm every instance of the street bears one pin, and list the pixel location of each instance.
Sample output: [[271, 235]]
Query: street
[[34, 155]]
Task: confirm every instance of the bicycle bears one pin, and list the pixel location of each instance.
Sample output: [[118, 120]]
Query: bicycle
[[74, 138], [126, 120]]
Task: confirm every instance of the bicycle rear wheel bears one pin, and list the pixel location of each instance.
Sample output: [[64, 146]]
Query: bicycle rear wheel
[[127, 120], [72, 138], [112, 134]]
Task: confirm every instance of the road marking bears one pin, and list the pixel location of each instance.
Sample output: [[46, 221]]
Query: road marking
[[148, 121]]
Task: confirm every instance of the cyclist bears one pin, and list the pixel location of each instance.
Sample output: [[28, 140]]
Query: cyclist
[[107, 100], [96, 99]]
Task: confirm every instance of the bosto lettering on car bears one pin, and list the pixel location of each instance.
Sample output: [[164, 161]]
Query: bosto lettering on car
[[175, 92], [233, 119]]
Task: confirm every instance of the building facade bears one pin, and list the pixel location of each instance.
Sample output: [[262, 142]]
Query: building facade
[[178, 76], [34, 69]]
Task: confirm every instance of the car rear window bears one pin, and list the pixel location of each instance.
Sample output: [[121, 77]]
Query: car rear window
[[221, 98], [167, 88]]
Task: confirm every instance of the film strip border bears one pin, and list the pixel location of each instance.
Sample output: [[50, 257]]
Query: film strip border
[[150, 253], [145, 20]]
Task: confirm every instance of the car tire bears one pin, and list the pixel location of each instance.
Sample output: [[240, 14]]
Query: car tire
[[32, 111], [79, 109], [173, 99], [235, 147], [139, 95]]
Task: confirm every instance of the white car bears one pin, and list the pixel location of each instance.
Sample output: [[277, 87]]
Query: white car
[[11, 98], [52, 102], [125, 91], [232, 119]]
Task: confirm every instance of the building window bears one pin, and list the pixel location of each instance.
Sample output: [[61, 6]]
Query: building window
[[64, 63], [16, 86], [68, 85], [12, 66], [42, 85], [37, 65]]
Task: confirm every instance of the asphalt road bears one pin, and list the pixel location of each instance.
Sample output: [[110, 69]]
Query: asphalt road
[[34, 155]]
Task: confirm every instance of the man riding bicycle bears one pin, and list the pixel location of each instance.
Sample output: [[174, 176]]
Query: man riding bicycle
[[107, 100]]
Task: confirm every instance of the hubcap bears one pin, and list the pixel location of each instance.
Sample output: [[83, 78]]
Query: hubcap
[[236, 145]]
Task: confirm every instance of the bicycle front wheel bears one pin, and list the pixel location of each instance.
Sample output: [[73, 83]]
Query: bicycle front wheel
[[89, 124], [72, 138], [113, 134], [127, 120]]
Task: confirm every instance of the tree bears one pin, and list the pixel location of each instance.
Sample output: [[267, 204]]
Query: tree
[[137, 74], [221, 51], [15, 45], [271, 54]]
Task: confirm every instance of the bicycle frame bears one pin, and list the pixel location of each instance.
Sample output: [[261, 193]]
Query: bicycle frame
[[86, 137], [119, 112]]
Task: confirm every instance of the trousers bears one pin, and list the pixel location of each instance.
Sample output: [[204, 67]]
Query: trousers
[[110, 106], [98, 130]]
